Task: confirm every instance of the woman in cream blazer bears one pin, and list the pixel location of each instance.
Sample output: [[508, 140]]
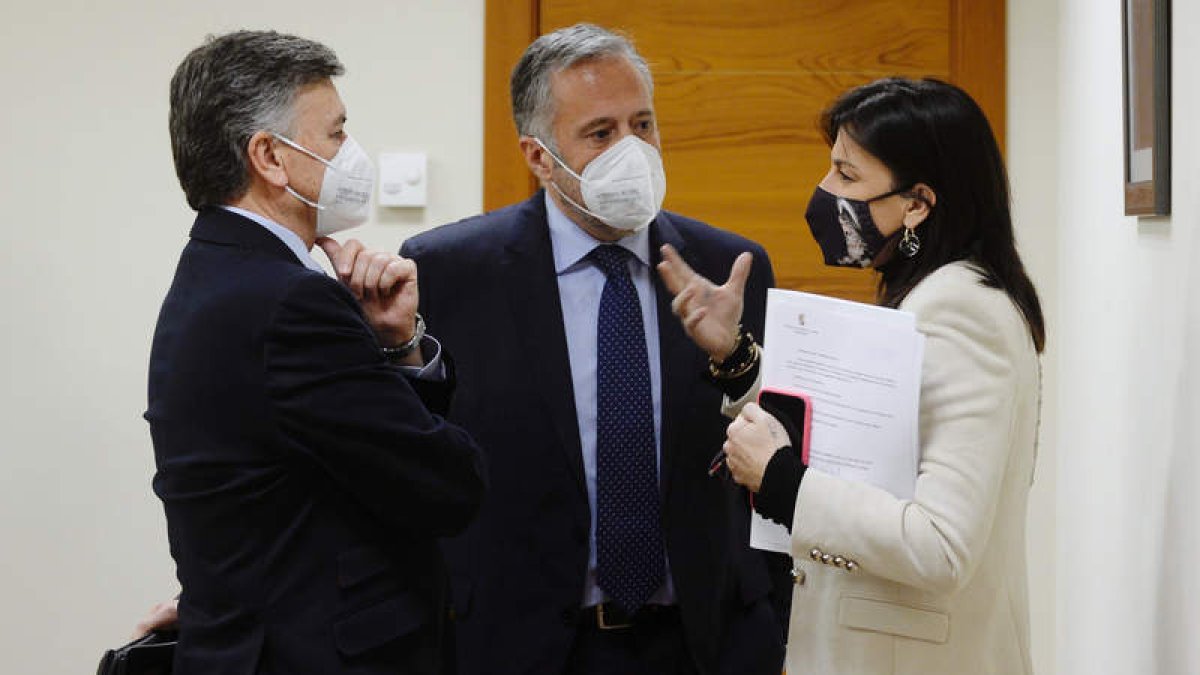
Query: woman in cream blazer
[[935, 584]]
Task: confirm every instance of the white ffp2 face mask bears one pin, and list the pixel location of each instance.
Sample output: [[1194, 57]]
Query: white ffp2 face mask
[[345, 199], [623, 187]]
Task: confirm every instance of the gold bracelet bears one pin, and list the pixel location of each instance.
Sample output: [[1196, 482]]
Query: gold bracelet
[[747, 354]]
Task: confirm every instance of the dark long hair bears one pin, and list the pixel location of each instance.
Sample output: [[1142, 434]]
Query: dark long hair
[[931, 132]]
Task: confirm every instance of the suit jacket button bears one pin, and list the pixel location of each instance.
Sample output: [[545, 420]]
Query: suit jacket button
[[798, 576], [826, 559], [851, 565], [839, 561], [815, 554]]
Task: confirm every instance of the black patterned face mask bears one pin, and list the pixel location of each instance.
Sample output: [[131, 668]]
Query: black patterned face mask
[[844, 228]]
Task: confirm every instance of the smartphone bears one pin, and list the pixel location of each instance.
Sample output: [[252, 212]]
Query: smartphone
[[794, 410]]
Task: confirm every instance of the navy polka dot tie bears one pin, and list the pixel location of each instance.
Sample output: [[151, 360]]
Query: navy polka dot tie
[[631, 564]]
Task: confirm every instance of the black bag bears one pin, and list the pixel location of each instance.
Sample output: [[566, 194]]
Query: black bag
[[149, 655]]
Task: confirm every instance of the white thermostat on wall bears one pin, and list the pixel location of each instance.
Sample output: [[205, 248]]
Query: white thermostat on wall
[[402, 178]]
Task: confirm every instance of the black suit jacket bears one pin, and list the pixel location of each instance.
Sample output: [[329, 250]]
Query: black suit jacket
[[303, 478], [489, 291]]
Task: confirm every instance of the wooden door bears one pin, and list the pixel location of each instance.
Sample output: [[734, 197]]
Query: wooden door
[[739, 87]]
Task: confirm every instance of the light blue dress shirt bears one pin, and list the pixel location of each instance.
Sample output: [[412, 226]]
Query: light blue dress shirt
[[289, 238], [580, 283], [431, 349]]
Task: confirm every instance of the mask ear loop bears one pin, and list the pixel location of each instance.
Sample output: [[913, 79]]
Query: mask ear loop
[[557, 160], [296, 146], [302, 198], [554, 184], [892, 193], [300, 148], [910, 243], [577, 205]]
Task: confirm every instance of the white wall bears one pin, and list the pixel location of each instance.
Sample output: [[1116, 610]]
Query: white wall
[[94, 220], [1032, 164], [1129, 377], [1114, 538]]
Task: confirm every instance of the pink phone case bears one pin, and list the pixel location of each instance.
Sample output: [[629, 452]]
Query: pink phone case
[[804, 425]]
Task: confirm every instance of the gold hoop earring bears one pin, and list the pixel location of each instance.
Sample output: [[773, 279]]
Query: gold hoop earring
[[910, 243]]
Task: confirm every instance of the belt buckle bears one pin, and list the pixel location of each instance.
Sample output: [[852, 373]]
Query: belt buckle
[[602, 620]]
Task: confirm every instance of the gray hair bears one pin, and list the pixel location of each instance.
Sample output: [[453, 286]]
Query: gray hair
[[532, 104], [225, 91]]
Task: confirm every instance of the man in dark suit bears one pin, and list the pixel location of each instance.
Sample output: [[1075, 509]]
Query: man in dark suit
[[603, 545], [302, 465]]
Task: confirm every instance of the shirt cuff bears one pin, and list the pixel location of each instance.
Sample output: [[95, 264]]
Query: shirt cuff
[[434, 369], [776, 497]]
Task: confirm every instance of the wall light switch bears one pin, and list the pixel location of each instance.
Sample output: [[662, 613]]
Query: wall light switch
[[403, 178]]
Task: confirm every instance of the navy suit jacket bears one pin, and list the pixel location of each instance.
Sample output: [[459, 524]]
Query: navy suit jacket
[[489, 291], [303, 477]]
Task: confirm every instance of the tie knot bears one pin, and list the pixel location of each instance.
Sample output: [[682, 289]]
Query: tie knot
[[611, 259]]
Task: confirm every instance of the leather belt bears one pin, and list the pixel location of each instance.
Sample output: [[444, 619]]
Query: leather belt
[[610, 616]]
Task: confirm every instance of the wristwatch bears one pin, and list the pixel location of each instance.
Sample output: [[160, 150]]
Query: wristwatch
[[401, 351]]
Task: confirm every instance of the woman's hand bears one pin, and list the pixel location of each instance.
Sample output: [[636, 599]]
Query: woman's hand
[[710, 313], [751, 442]]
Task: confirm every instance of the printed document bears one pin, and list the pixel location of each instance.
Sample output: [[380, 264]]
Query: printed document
[[860, 365]]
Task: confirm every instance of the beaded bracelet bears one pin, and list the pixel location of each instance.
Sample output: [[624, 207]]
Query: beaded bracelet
[[744, 357]]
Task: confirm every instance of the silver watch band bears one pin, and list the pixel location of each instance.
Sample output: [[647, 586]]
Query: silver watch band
[[407, 348]]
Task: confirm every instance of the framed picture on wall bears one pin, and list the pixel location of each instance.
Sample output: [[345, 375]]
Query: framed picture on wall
[[1147, 67]]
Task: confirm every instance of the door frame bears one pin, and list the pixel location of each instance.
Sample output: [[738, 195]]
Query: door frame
[[977, 58]]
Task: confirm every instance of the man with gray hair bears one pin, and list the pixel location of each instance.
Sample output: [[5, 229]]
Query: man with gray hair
[[302, 466], [603, 547]]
